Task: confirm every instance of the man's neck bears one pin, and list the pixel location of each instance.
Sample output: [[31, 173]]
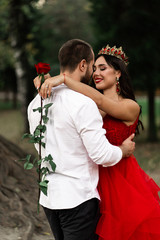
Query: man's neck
[[74, 75]]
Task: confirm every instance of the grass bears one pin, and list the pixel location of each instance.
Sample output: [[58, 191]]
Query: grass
[[5, 105], [143, 102], [11, 127], [147, 154]]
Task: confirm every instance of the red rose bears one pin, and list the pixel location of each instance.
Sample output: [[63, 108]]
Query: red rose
[[42, 68]]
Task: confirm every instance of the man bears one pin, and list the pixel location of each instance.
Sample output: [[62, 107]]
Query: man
[[76, 140]]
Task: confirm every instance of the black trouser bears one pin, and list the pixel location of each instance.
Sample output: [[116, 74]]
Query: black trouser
[[77, 223]]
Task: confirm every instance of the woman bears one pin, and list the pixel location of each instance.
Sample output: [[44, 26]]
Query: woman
[[130, 207]]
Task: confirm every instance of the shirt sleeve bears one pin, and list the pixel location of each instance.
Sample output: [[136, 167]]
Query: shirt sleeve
[[89, 124]]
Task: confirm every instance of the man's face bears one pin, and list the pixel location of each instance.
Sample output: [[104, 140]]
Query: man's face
[[85, 79]]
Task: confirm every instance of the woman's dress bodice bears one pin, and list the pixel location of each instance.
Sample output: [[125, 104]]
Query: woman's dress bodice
[[116, 130]]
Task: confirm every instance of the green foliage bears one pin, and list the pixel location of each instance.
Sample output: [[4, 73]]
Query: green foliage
[[36, 138], [40, 32], [134, 25], [27, 165], [39, 109], [43, 186], [62, 20], [6, 52]]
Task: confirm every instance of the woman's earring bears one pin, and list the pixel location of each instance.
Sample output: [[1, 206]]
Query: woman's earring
[[118, 89]]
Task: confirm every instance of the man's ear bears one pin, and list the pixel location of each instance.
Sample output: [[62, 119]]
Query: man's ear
[[83, 65]]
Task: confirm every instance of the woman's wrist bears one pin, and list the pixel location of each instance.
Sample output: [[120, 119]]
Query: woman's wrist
[[64, 78]]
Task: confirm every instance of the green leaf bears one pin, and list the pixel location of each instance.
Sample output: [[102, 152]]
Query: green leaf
[[33, 138], [46, 159], [44, 183], [48, 105], [28, 157], [42, 128], [43, 144], [37, 132], [44, 170], [46, 112], [26, 135], [45, 119], [46, 108], [40, 138], [50, 157], [53, 165], [43, 186], [33, 141], [35, 162], [28, 166], [43, 189], [39, 162], [36, 139], [39, 109]]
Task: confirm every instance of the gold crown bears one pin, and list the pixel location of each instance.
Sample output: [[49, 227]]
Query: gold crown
[[114, 51]]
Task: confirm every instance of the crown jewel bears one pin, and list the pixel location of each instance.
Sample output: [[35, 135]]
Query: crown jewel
[[114, 51]]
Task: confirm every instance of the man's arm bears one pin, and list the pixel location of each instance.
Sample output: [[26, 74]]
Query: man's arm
[[89, 125]]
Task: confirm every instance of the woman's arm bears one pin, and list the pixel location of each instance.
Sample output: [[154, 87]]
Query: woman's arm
[[125, 109]]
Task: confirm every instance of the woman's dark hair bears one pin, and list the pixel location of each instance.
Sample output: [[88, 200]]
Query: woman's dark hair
[[124, 80]]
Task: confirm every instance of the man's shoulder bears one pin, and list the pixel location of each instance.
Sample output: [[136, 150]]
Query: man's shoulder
[[35, 101], [72, 96], [67, 97]]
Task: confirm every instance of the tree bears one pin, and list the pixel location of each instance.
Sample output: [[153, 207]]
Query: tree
[[63, 20], [22, 16], [134, 25], [32, 34], [7, 73]]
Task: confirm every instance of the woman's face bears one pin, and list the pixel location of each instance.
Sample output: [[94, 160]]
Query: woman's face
[[104, 76]]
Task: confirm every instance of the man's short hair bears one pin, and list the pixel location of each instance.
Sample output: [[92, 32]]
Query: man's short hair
[[72, 52]]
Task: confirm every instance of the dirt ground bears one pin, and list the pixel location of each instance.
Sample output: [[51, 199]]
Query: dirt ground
[[8, 233], [19, 193], [19, 218]]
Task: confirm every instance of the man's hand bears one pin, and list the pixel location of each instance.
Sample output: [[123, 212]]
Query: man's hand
[[128, 146]]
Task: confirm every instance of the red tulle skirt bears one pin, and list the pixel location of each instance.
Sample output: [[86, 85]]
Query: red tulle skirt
[[130, 205]]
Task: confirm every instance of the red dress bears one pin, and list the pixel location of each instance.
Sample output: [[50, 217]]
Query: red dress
[[130, 205]]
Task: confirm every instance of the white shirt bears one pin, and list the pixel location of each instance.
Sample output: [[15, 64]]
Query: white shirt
[[76, 140]]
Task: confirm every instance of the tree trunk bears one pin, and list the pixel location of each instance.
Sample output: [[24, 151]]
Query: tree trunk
[[152, 129], [18, 36], [21, 83], [14, 100]]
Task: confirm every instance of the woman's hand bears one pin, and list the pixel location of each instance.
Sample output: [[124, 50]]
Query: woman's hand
[[37, 80], [46, 88]]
